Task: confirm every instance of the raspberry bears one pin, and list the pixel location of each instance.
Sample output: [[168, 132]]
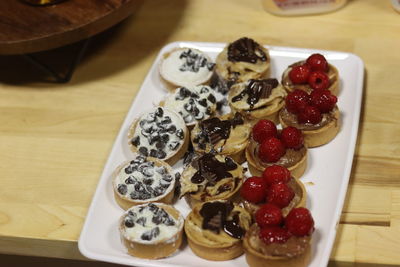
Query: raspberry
[[268, 215], [323, 100], [254, 189], [276, 174], [310, 114], [299, 74], [271, 150], [297, 101], [279, 195], [264, 129], [317, 62], [292, 137], [318, 80], [299, 222], [274, 234]]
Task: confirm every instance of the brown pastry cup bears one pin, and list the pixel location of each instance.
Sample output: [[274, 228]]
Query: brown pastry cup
[[157, 250]]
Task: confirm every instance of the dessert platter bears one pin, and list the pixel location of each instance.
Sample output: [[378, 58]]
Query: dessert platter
[[235, 154]]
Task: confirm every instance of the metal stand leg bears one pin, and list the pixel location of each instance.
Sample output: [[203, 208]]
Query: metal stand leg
[[60, 77]]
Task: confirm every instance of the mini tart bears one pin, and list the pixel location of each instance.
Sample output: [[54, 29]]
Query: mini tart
[[299, 199], [226, 136], [211, 177], [296, 252], [257, 99], [160, 133], [295, 160], [151, 231], [242, 60], [332, 73], [143, 180], [215, 230], [193, 103], [183, 67], [314, 134]]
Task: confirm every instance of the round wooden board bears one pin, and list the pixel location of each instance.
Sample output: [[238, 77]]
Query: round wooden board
[[28, 29]]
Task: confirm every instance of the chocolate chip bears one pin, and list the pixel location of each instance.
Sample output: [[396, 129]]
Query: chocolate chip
[[161, 170], [184, 92], [208, 111], [149, 235], [203, 102], [199, 116], [166, 120], [188, 107], [169, 221], [159, 112], [165, 138], [141, 221], [139, 187], [135, 195], [135, 141], [179, 133], [160, 145], [150, 189], [152, 207], [153, 153], [173, 145], [157, 220], [211, 98], [129, 222], [143, 151], [132, 214], [167, 178], [129, 180], [161, 154], [128, 169], [204, 90], [171, 129], [122, 189], [159, 190], [196, 111]]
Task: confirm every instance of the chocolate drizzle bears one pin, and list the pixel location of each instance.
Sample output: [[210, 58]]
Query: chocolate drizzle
[[255, 90], [215, 129], [215, 218], [211, 169], [246, 49]]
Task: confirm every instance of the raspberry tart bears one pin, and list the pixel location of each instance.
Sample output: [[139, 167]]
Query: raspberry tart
[[257, 99], [215, 230], [183, 67], [152, 230], [211, 177], [160, 133], [280, 242], [312, 74], [142, 180], [315, 114], [268, 146]]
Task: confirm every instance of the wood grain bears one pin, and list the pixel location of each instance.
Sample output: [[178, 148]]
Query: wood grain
[[55, 139]]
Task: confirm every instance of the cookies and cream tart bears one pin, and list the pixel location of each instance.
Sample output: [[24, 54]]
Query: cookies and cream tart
[[183, 67], [215, 230], [160, 133], [211, 177], [152, 230], [258, 99], [141, 180], [194, 103]]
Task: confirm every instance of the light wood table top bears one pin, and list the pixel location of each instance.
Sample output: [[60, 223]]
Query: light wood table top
[[55, 139]]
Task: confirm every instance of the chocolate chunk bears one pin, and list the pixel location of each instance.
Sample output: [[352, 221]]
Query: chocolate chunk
[[256, 90], [208, 111], [132, 214], [196, 111], [135, 141], [129, 222], [184, 92], [188, 107], [171, 129], [230, 164], [165, 138], [157, 220], [139, 187], [161, 154], [167, 178], [203, 102], [153, 153], [128, 169], [161, 170], [173, 145], [148, 181], [148, 172], [141, 221], [150, 189], [211, 98], [247, 50], [158, 191], [179, 133], [122, 189], [160, 145], [135, 195], [159, 112], [149, 235], [194, 95], [129, 180], [210, 66], [166, 120], [143, 150], [204, 90], [138, 160]]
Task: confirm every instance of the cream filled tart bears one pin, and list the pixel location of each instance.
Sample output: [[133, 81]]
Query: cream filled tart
[[183, 67], [226, 136], [242, 60], [215, 230], [151, 231], [160, 133], [257, 99], [211, 177], [193, 103]]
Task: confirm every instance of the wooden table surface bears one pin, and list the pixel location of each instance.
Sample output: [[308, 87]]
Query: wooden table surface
[[55, 139]]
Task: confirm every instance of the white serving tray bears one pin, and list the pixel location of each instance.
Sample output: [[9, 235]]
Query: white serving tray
[[326, 177]]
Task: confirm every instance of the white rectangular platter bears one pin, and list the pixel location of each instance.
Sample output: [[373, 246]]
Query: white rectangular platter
[[326, 177]]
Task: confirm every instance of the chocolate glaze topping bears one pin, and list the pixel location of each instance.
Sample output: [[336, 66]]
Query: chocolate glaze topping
[[257, 89], [215, 219], [215, 129], [246, 49], [211, 169]]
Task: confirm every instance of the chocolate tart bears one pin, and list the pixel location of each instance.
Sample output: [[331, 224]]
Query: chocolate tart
[[160, 133], [332, 73], [225, 135], [296, 252], [242, 60], [211, 177], [257, 99], [215, 230], [142, 180], [151, 231], [314, 134], [183, 67]]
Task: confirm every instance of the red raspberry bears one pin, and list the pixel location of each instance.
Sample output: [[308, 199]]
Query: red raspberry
[[323, 100], [299, 74], [268, 215], [274, 234], [297, 101], [271, 150], [310, 114], [264, 129], [299, 222], [276, 174], [318, 80], [317, 62], [292, 137], [279, 195], [254, 189]]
